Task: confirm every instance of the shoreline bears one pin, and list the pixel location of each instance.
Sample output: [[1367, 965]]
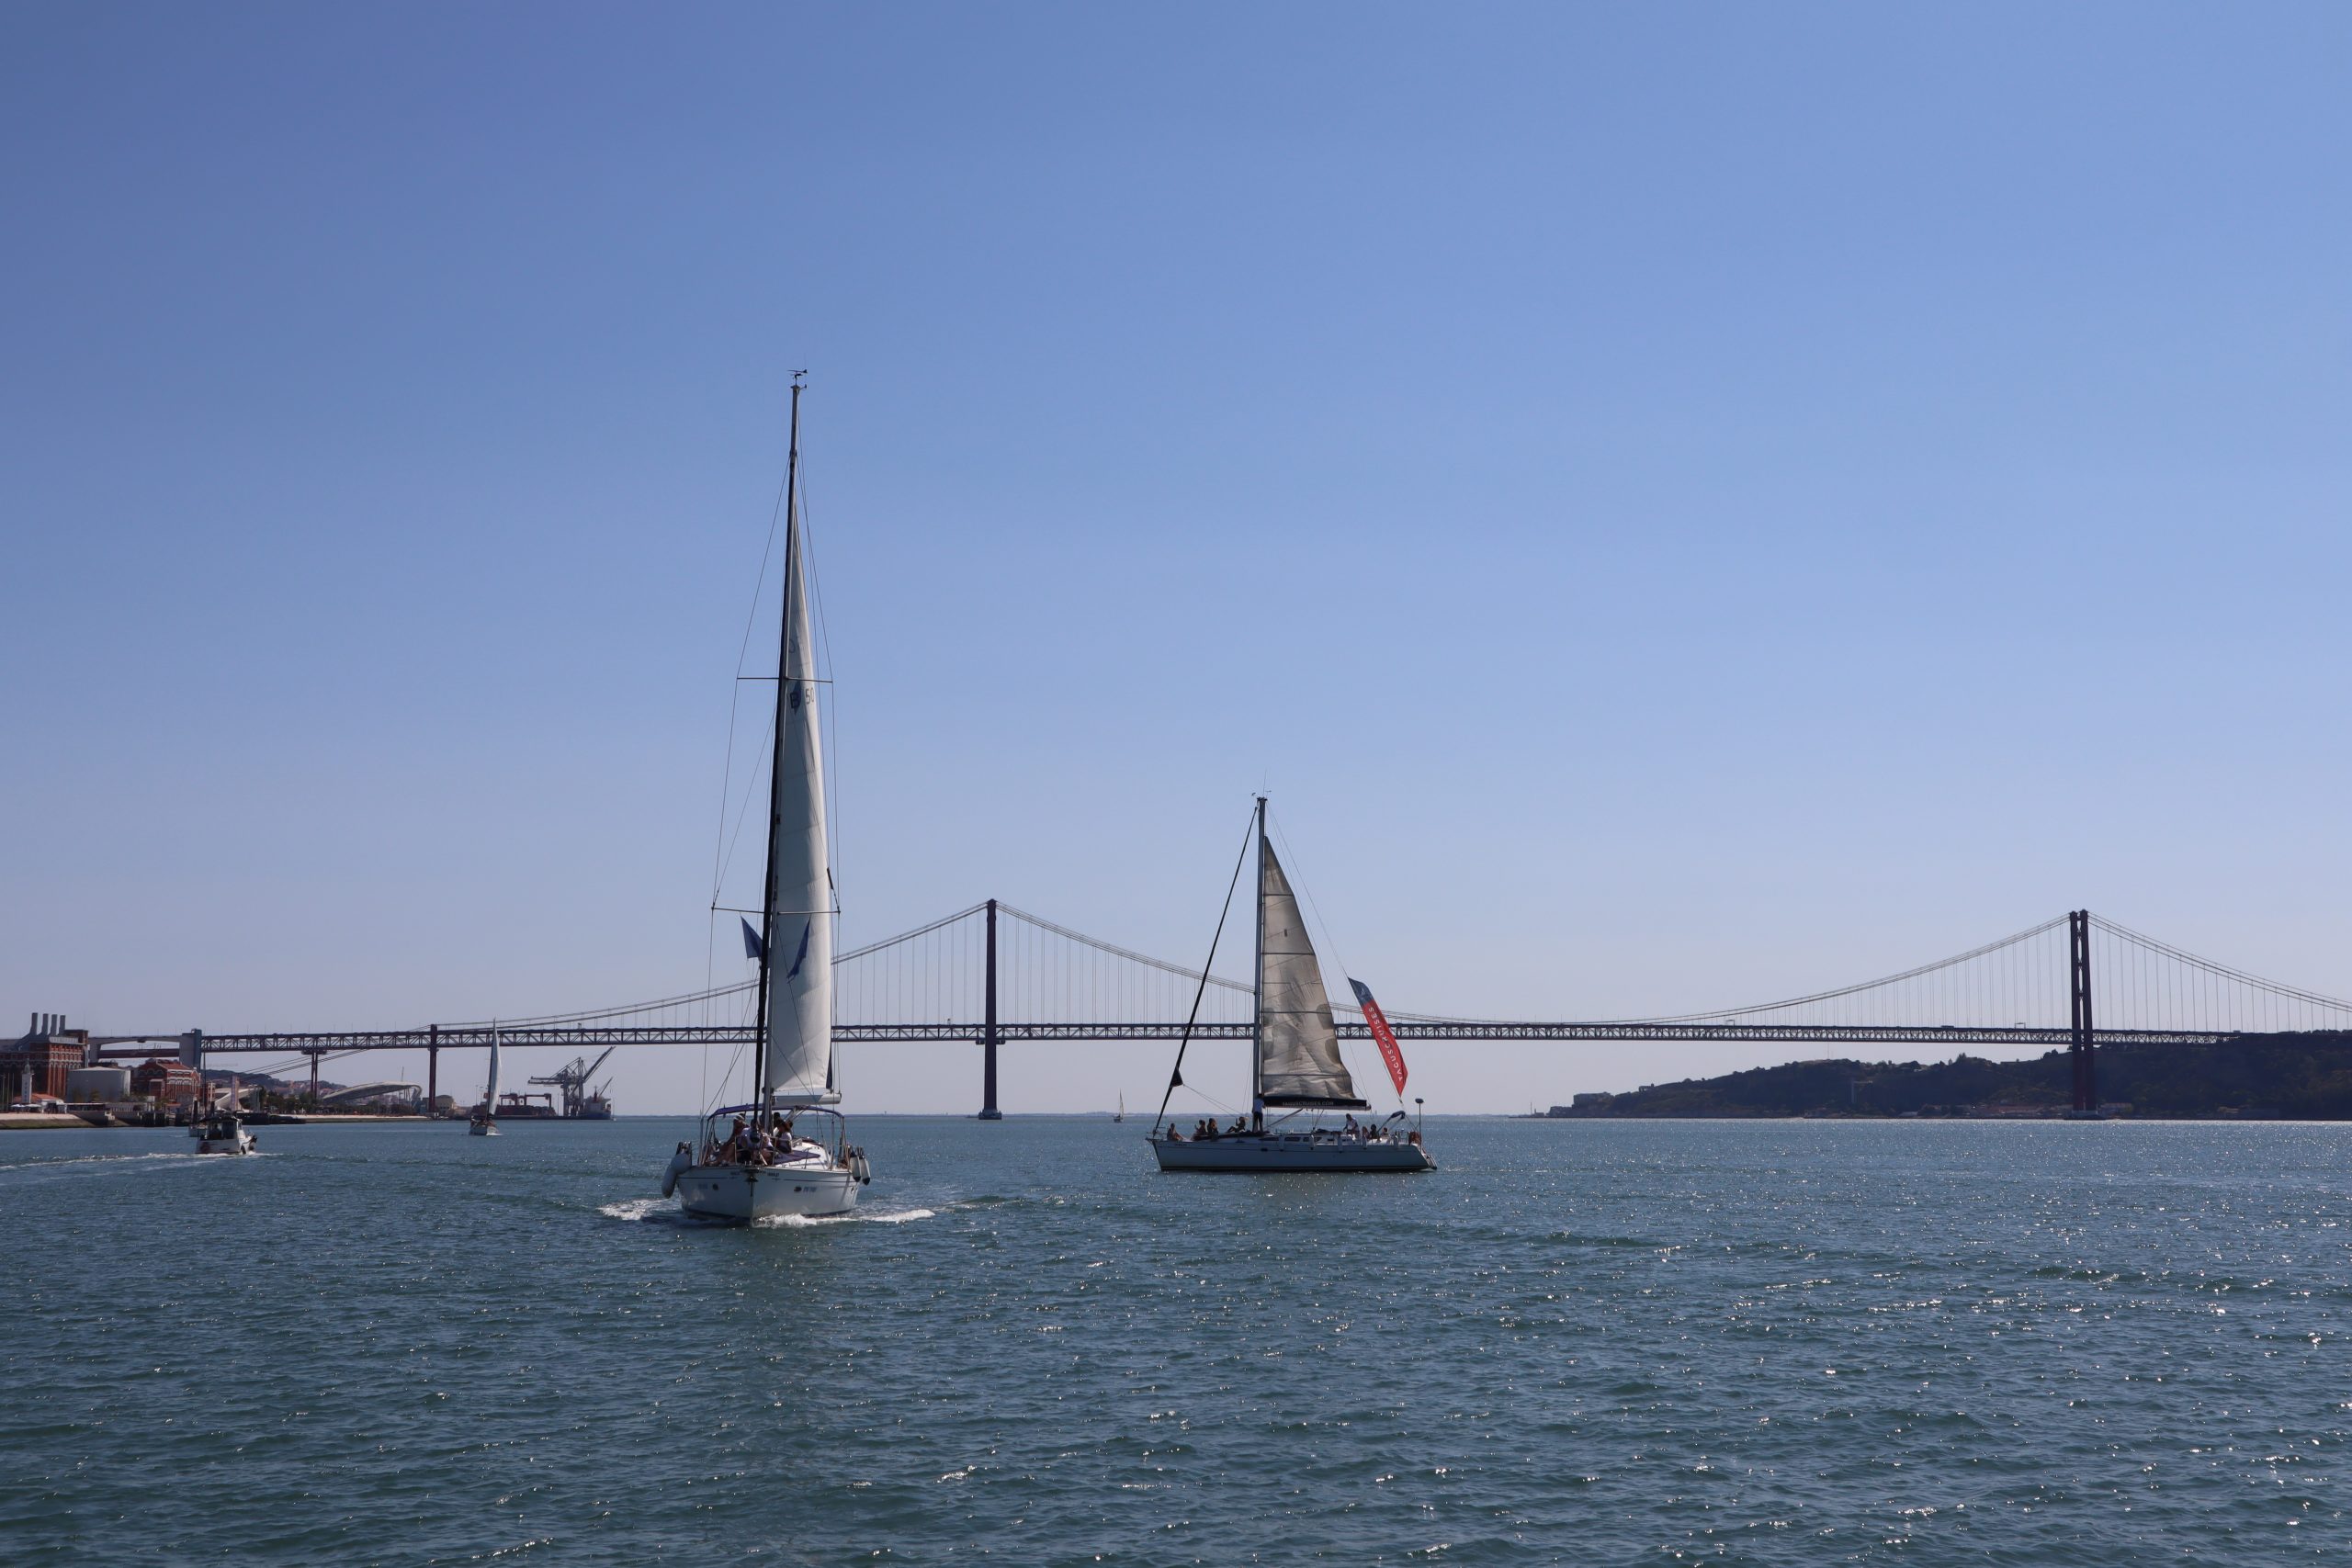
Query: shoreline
[[38, 1122]]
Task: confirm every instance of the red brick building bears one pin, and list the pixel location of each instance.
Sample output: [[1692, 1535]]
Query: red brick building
[[161, 1078], [36, 1066]]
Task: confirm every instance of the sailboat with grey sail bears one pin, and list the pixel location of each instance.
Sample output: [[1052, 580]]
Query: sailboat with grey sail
[[1296, 1071]]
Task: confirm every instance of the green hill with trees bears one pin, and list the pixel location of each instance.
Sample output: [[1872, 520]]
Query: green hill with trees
[[2302, 1076]]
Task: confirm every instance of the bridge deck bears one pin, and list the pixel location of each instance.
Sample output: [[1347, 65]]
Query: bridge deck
[[621, 1034]]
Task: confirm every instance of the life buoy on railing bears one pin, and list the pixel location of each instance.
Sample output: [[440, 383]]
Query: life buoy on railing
[[680, 1162]]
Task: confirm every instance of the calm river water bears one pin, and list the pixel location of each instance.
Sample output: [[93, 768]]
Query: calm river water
[[1590, 1342]]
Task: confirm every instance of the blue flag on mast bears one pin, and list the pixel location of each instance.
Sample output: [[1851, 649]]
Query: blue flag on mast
[[750, 941]]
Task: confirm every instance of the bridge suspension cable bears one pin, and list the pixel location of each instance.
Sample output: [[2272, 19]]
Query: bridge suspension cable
[[1117, 952], [1047, 981]]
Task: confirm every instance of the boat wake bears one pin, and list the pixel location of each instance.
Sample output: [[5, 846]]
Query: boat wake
[[64, 1163], [855, 1216], [665, 1212]]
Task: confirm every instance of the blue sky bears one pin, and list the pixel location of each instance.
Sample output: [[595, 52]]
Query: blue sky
[[1681, 504]]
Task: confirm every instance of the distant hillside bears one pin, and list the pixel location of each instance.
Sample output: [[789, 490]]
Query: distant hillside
[[2306, 1075]]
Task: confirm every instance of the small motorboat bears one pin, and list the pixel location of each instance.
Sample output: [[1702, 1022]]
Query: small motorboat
[[223, 1133]]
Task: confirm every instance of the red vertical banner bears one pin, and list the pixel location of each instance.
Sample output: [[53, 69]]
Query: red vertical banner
[[1382, 1034]]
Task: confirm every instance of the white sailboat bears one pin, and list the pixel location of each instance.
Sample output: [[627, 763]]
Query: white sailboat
[[786, 1151], [483, 1124], [1294, 1066]]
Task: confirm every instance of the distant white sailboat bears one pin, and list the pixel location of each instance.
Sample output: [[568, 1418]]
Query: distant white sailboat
[[786, 1150], [1120, 1113], [484, 1121], [1295, 1064]]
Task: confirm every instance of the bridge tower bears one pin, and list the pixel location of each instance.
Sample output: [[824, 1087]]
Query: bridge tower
[[2081, 1050], [988, 1112]]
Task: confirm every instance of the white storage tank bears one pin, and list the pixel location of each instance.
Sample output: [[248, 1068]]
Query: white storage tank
[[111, 1086]]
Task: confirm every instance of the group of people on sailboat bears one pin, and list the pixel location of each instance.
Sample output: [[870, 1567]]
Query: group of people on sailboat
[[1372, 1131], [771, 1145], [1205, 1129]]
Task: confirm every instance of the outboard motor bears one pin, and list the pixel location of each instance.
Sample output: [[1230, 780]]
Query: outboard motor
[[680, 1162]]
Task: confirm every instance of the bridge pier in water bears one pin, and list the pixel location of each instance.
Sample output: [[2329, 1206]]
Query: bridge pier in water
[[2081, 1050], [988, 1112]]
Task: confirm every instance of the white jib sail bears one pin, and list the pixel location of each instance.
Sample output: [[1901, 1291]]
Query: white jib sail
[[800, 952], [1299, 1049]]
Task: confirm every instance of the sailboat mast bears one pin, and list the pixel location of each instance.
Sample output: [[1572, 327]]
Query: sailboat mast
[[1257, 991], [776, 762]]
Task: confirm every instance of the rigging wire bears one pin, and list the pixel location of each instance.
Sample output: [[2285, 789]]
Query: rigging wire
[[735, 688], [1176, 1073]]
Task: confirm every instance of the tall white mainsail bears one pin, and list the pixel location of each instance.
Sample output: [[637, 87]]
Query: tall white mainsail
[[800, 935], [1298, 1048], [490, 1089]]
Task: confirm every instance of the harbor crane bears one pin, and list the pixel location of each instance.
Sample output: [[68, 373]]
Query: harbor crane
[[570, 1082]]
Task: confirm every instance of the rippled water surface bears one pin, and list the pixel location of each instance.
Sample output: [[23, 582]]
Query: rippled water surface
[[1591, 1342]]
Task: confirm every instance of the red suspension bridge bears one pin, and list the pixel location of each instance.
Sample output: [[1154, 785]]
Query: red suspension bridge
[[993, 975]]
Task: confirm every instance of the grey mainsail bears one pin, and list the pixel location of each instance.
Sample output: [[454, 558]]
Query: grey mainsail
[[1298, 1048]]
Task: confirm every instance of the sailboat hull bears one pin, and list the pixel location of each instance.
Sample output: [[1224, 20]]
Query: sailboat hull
[[1289, 1152], [743, 1194]]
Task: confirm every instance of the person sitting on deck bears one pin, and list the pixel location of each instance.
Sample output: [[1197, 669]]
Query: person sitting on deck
[[1175, 1134], [1202, 1131], [1240, 1125]]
